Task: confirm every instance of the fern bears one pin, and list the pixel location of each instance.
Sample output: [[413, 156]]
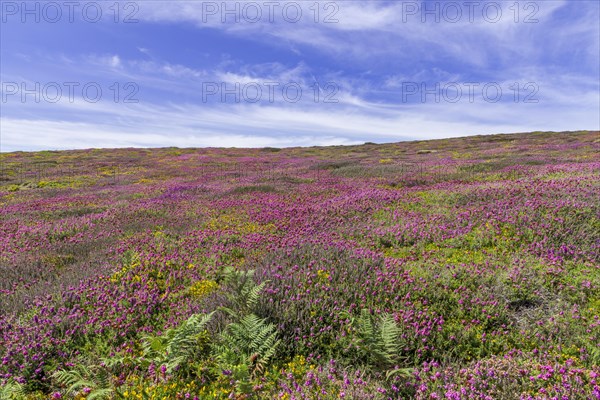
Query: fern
[[96, 379], [12, 390], [594, 355], [378, 340], [116, 361], [178, 346], [251, 341], [390, 335], [245, 292], [246, 346], [184, 343]]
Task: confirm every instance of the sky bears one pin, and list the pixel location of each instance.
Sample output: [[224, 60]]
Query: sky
[[292, 73]]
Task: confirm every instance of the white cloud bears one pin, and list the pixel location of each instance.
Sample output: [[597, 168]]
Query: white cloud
[[114, 61], [367, 30], [368, 33], [251, 125]]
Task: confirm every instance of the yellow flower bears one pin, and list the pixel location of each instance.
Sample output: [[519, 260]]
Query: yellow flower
[[203, 288], [323, 276]]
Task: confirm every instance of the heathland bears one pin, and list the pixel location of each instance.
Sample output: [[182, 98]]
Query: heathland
[[463, 268]]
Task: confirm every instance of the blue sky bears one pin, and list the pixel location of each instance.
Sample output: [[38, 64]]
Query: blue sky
[[292, 73]]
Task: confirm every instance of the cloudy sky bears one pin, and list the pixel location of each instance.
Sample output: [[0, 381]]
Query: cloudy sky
[[285, 73]]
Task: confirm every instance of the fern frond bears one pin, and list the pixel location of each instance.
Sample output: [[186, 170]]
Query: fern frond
[[402, 372], [99, 394], [114, 362], [95, 378], [75, 380], [177, 346], [12, 390], [245, 292], [253, 295], [389, 333], [378, 341], [251, 341]]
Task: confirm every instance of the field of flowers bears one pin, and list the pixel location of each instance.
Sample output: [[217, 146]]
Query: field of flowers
[[451, 269]]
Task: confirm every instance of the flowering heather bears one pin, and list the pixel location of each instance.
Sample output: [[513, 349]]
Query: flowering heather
[[451, 269]]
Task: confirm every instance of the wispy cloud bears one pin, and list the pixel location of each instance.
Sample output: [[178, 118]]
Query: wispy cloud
[[366, 57]]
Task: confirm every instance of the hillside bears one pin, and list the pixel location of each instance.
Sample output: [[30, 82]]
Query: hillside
[[464, 268]]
